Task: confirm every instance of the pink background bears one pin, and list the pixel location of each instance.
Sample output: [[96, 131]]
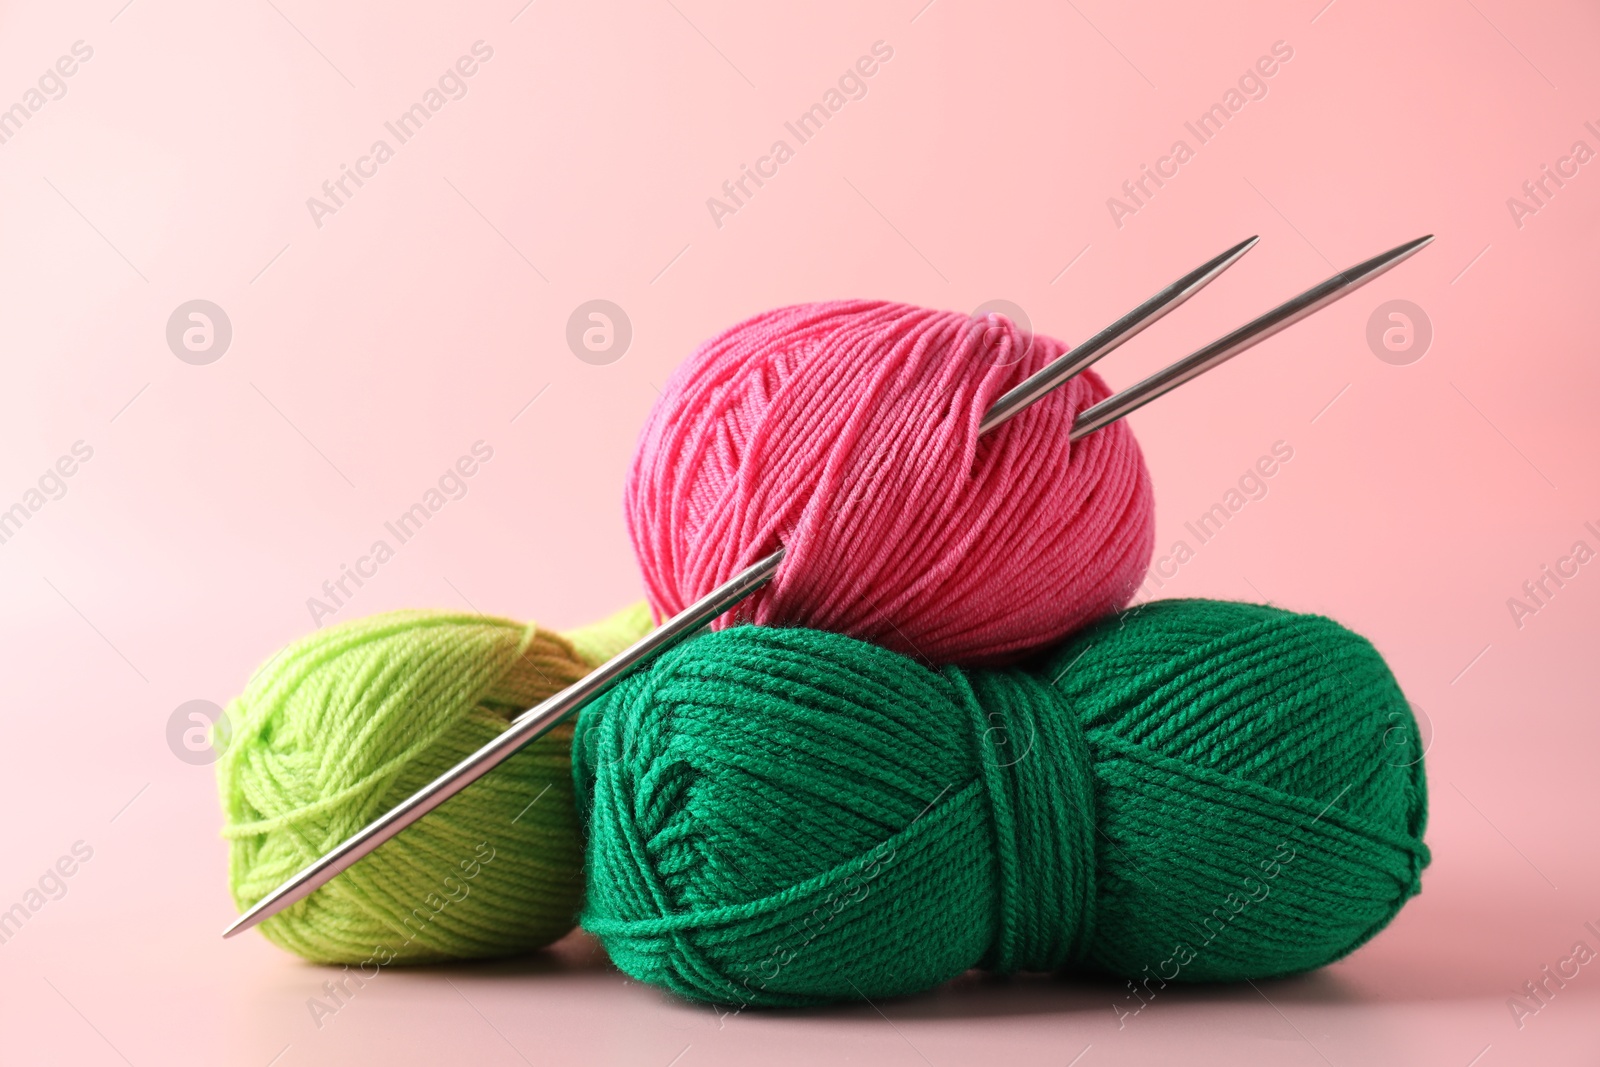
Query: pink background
[[371, 352]]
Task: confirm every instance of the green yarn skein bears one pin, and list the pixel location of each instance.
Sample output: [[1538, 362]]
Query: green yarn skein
[[1188, 791], [347, 722]]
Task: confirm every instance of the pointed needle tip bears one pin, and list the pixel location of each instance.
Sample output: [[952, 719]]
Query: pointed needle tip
[[238, 926], [1231, 256]]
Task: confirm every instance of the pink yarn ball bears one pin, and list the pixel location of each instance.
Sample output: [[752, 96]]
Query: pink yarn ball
[[848, 433]]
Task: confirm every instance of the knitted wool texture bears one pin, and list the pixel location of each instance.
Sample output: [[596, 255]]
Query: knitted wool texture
[[1212, 791], [347, 722], [848, 432]]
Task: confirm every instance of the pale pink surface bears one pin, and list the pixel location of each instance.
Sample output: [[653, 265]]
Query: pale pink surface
[[371, 353], [847, 432]]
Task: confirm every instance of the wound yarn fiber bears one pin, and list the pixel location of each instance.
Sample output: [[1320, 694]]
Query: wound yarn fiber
[[847, 432], [1188, 791], [347, 722]]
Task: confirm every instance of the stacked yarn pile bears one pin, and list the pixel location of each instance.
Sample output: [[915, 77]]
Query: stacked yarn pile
[[941, 744]]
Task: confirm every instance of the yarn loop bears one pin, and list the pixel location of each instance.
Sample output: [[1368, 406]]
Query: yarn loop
[[1035, 773]]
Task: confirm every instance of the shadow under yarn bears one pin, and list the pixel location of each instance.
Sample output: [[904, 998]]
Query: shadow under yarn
[[1196, 790]]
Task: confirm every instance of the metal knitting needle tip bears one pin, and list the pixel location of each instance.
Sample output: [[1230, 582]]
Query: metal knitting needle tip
[[525, 728], [1251, 333], [1073, 363]]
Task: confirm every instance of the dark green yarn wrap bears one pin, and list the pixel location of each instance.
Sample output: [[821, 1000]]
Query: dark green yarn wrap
[[1188, 791]]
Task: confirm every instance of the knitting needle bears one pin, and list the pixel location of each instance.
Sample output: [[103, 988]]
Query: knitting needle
[[1101, 344], [539, 720]]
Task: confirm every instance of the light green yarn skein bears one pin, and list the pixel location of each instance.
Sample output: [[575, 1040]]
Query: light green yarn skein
[[347, 722]]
